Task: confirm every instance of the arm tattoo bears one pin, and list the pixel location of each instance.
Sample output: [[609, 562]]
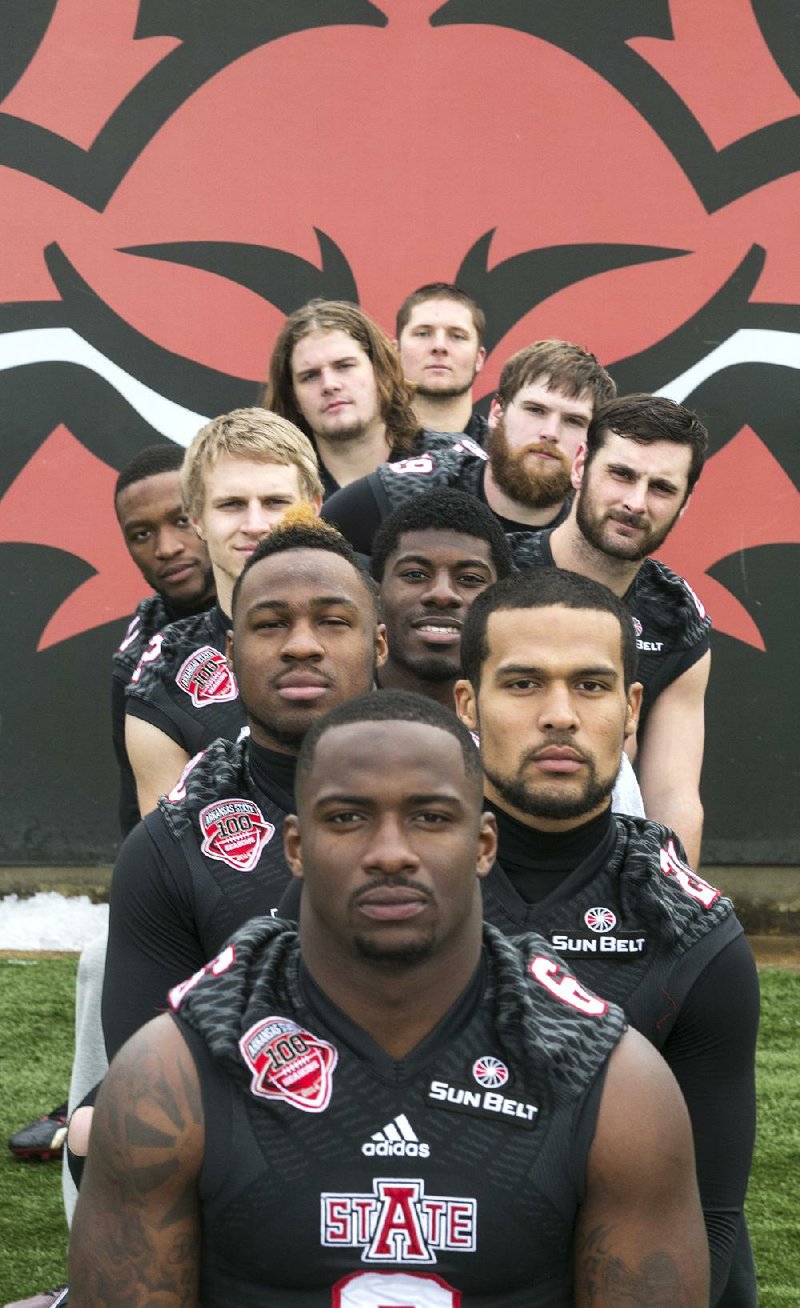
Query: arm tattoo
[[138, 1242], [610, 1283]]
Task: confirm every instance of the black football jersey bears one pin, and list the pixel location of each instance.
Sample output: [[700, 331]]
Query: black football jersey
[[183, 685], [209, 857], [633, 921], [151, 616], [337, 1175]]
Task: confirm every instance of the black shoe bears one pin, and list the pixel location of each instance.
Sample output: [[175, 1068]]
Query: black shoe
[[43, 1139]]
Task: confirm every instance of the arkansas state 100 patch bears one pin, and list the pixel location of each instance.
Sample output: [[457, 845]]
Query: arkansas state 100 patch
[[206, 678], [289, 1063], [235, 831]]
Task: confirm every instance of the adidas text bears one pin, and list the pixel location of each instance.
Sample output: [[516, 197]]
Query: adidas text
[[397, 1139]]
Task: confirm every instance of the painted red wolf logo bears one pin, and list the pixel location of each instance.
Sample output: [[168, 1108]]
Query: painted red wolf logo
[[169, 226], [178, 178]]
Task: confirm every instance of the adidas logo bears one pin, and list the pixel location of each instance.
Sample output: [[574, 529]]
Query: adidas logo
[[397, 1139]]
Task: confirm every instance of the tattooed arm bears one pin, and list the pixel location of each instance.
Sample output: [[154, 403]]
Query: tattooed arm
[[136, 1233], [641, 1238]]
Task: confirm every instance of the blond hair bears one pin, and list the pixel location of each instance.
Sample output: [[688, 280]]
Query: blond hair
[[253, 434]]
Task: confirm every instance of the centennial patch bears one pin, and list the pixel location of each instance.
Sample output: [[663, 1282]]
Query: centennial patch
[[206, 678], [289, 1063], [234, 832]]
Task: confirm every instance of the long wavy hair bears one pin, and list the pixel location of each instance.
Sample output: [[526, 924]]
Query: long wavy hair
[[394, 392]]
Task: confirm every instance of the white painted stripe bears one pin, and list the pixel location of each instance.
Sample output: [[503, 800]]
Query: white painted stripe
[[749, 345], [63, 345]]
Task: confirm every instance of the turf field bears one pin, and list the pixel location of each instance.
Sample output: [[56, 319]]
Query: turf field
[[36, 1017]]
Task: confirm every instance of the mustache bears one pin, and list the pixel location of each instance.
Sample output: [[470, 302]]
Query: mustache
[[629, 519], [557, 740], [320, 677]]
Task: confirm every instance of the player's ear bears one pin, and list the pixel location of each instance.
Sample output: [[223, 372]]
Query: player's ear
[[292, 846], [381, 645], [495, 412], [578, 466], [466, 703], [480, 359], [487, 844], [633, 708]]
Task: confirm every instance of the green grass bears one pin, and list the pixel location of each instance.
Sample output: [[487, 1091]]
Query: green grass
[[37, 1020], [772, 1197], [36, 1031]]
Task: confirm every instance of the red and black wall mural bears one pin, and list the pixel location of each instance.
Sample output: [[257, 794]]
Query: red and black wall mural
[[176, 178]]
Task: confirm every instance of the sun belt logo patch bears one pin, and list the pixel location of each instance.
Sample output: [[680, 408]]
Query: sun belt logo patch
[[234, 832], [289, 1063], [490, 1072], [604, 938], [600, 919], [206, 678]]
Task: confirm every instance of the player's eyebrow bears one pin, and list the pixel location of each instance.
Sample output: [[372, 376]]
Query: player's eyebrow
[[530, 670], [427, 562], [451, 797], [318, 602]]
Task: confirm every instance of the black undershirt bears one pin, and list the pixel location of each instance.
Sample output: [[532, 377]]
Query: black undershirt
[[536, 862], [273, 774]]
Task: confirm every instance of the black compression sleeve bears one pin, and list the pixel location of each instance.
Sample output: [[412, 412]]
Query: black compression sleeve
[[711, 1051], [355, 511], [152, 941]]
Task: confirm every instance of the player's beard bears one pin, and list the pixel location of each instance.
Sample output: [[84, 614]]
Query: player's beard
[[592, 524], [345, 435], [443, 392], [540, 486], [546, 800]]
